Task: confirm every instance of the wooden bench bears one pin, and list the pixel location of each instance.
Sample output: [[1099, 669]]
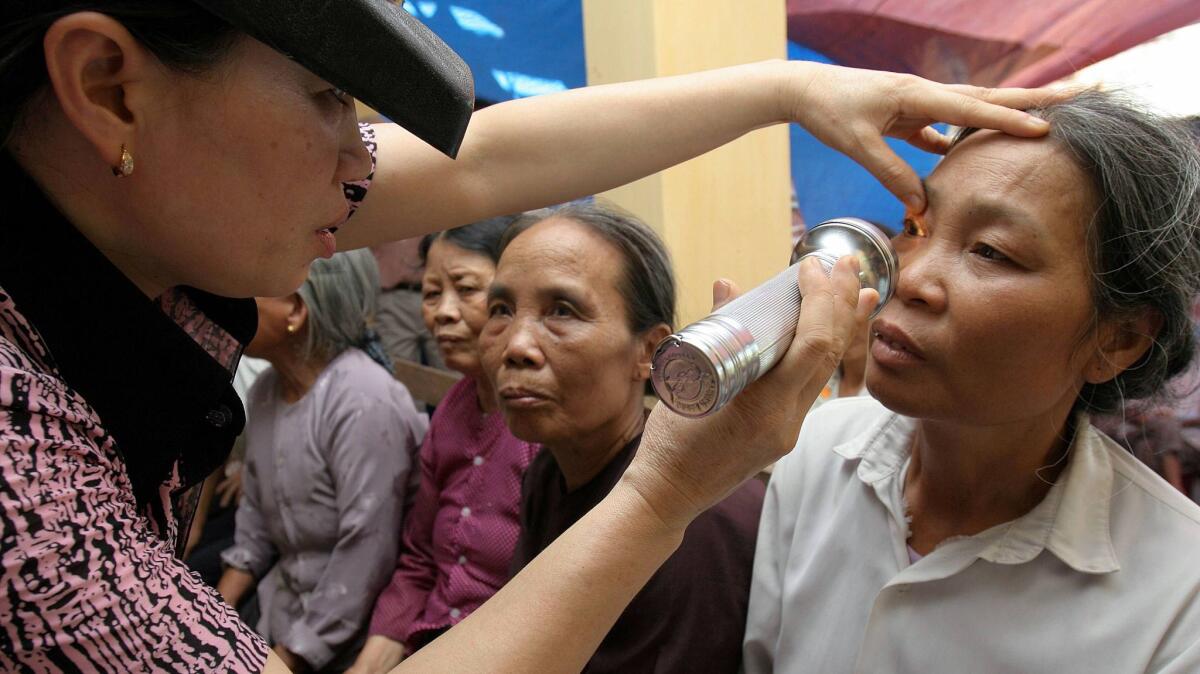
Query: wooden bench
[[424, 383]]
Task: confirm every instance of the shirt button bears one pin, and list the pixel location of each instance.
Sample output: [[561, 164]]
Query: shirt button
[[462, 559], [455, 613], [478, 461], [466, 512], [219, 417]]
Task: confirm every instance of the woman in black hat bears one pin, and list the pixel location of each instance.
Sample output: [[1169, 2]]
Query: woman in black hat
[[161, 158]]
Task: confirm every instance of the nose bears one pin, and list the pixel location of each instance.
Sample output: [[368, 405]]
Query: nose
[[922, 276], [522, 350], [354, 161], [446, 312]]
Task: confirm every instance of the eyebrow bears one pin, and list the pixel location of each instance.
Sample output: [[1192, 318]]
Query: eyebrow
[[985, 208], [498, 291]]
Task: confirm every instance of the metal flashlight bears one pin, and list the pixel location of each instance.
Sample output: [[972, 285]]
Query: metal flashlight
[[699, 369]]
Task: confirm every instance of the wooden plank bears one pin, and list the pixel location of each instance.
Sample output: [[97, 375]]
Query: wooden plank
[[425, 383]]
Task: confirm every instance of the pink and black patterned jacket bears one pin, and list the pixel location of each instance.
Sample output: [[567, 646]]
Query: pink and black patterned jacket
[[113, 409]]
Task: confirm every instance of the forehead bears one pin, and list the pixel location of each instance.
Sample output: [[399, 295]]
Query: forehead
[[1033, 186], [446, 255], [1037, 174], [560, 248]]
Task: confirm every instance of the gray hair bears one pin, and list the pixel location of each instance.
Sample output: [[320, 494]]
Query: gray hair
[[1144, 237], [342, 295]]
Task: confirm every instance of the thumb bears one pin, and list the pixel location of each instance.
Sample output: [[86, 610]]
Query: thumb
[[724, 292]]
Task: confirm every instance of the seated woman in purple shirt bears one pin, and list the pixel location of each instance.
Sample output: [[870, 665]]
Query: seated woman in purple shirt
[[581, 298], [460, 534], [330, 438]]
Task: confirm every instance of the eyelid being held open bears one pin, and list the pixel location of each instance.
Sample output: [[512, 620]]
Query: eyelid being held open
[[914, 224]]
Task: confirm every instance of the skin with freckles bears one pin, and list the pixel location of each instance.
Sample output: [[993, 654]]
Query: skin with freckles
[[235, 168]]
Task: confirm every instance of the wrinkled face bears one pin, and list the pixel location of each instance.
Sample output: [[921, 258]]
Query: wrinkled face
[[237, 170], [557, 342], [454, 302], [991, 319]]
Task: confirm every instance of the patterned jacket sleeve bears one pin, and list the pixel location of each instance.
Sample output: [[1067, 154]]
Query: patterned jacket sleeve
[[84, 584]]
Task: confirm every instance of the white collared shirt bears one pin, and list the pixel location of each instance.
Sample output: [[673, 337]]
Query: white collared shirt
[[1102, 576]]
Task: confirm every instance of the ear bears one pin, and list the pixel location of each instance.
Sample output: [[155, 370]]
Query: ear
[[298, 313], [1120, 344], [647, 344], [98, 70]]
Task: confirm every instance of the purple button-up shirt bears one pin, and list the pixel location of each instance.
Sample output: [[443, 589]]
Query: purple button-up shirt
[[463, 526]]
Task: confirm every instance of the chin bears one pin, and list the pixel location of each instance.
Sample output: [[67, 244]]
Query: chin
[[897, 396], [526, 426]]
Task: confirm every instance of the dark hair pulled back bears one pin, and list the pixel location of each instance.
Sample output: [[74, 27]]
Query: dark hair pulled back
[[481, 237], [180, 33], [648, 284]]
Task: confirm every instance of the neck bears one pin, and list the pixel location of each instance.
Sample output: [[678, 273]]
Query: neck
[[586, 455], [965, 479], [297, 375]]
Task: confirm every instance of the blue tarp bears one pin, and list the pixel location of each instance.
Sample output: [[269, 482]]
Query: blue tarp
[[519, 49]]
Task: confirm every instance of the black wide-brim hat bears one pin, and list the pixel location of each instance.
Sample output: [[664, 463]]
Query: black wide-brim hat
[[375, 51]]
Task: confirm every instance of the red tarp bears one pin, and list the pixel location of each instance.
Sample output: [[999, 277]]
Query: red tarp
[[984, 42]]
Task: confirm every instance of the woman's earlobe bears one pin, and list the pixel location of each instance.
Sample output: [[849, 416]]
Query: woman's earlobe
[[1122, 344]]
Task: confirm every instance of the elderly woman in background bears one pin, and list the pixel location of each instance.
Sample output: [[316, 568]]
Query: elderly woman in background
[[330, 439], [581, 298], [973, 518], [460, 533]]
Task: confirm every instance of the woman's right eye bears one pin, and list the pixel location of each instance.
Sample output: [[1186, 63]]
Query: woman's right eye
[[498, 309], [430, 295]]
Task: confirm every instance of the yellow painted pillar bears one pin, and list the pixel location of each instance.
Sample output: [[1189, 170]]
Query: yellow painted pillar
[[727, 213]]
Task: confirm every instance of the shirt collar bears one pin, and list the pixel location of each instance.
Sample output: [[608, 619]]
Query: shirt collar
[[1072, 521], [157, 372]]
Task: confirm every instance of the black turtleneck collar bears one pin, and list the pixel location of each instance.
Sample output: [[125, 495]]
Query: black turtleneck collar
[[164, 398]]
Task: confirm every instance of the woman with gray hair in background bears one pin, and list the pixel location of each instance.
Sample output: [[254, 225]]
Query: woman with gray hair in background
[[970, 518], [330, 439]]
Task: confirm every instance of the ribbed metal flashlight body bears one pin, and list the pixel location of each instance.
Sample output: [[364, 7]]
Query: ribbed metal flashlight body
[[699, 369]]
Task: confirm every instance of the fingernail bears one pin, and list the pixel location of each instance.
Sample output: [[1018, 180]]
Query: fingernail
[[1037, 121], [915, 202], [720, 292]]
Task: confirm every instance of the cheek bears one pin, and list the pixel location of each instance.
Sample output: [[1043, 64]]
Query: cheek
[[259, 182], [475, 314]]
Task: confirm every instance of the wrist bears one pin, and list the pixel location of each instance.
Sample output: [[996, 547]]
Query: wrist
[[792, 81], [647, 500]]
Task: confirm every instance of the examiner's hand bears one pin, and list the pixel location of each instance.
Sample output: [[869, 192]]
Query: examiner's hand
[[852, 110], [686, 465]]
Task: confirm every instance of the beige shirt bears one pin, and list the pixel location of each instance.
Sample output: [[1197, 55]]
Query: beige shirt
[[1102, 576]]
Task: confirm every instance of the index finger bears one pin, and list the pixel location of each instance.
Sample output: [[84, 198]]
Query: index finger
[[965, 106]]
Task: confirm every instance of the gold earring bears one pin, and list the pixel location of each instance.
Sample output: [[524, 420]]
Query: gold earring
[[291, 328], [125, 168]]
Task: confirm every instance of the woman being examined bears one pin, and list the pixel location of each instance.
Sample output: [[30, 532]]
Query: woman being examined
[[973, 519], [460, 532], [331, 438], [162, 160], [582, 297]]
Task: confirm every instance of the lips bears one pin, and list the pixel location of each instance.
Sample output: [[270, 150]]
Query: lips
[[895, 340], [520, 396]]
